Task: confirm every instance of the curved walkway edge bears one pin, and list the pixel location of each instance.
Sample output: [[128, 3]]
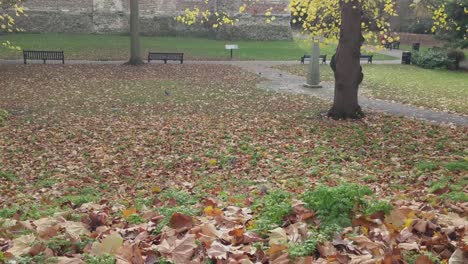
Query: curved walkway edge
[[281, 81], [284, 82]]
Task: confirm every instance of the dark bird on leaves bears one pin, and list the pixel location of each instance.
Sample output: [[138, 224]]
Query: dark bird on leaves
[[167, 93], [259, 73]]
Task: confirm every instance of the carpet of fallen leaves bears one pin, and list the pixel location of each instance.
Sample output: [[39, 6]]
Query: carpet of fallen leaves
[[163, 163]]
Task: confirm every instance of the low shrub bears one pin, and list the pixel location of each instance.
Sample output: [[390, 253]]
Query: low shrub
[[438, 59]]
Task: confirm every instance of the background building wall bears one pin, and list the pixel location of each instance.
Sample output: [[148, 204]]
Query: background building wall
[[157, 18]]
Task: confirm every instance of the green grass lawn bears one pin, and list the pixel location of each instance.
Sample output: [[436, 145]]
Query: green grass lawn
[[114, 47], [437, 89]]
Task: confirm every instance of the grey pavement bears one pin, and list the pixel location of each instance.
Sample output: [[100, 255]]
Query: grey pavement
[[281, 81]]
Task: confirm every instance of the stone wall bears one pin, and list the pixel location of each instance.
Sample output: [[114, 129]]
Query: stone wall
[[157, 18], [424, 39]]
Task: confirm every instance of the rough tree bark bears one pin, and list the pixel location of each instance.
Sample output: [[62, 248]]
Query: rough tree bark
[[135, 50], [346, 63]]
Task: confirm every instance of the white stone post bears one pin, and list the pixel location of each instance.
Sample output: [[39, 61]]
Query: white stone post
[[313, 75]]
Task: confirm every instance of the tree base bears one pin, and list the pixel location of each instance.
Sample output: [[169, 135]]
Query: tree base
[[135, 62], [338, 114], [306, 85]]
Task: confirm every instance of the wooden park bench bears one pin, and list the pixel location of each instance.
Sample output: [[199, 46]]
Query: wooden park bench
[[43, 55], [322, 57], [166, 56], [367, 57]]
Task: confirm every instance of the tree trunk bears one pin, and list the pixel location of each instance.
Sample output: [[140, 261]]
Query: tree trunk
[[346, 63], [135, 50]]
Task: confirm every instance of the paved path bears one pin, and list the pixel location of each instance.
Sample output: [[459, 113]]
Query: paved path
[[284, 82]]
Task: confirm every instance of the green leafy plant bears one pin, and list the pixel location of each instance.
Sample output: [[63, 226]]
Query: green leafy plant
[[38, 259], [181, 197], [439, 184], [105, 259], [82, 196], [3, 115], [59, 244], [427, 166], [9, 176], [456, 196], [136, 219], [457, 166], [273, 208], [378, 206], [335, 205]]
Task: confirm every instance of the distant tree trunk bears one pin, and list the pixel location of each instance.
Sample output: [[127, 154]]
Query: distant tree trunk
[[135, 50], [346, 63]]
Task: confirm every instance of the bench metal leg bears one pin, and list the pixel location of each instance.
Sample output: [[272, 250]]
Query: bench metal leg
[[181, 61], [165, 61], [44, 61]]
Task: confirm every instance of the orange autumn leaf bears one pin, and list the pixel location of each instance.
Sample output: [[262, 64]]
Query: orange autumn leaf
[[238, 235], [156, 189], [238, 232], [128, 212], [274, 249], [212, 211]]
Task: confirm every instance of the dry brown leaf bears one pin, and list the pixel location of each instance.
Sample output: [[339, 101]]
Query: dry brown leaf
[[65, 260], [218, 250], [278, 236], [178, 250], [21, 245], [409, 246], [362, 259], [423, 259], [75, 229], [297, 232], [459, 257], [109, 245], [275, 249], [365, 242], [326, 249], [452, 219], [179, 221], [281, 259], [419, 225]]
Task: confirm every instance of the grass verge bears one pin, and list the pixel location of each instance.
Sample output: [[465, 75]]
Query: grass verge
[[116, 47], [435, 89]]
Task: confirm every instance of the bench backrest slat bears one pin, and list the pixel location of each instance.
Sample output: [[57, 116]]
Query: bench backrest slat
[[166, 56], [43, 55]]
